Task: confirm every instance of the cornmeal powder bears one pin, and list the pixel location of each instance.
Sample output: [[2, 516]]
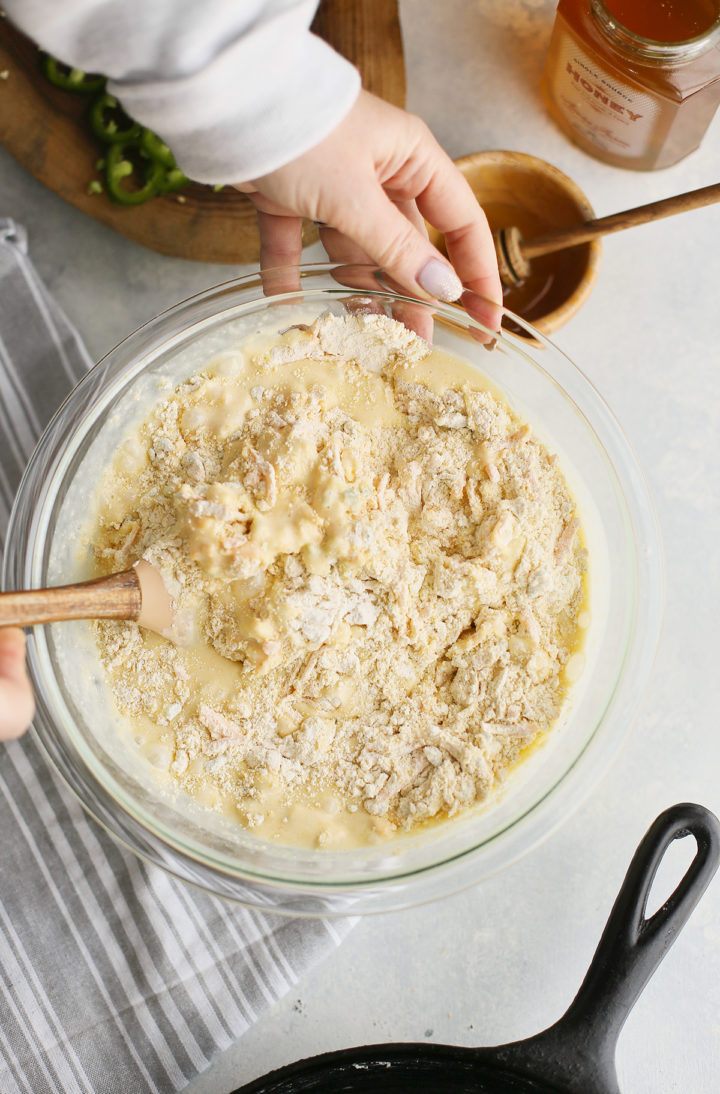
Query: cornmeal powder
[[377, 564]]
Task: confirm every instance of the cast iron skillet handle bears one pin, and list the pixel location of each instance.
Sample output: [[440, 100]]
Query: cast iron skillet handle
[[578, 1052]]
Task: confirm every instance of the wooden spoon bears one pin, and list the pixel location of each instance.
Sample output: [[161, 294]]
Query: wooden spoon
[[138, 594], [514, 252]]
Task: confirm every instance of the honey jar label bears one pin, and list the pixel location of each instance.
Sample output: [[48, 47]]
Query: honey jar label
[[599, 106]]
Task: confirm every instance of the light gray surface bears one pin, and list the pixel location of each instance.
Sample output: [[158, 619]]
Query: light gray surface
[[502, 960]]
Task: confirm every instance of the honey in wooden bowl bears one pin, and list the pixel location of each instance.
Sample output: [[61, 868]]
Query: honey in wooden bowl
[[518, 189], [553, 277]]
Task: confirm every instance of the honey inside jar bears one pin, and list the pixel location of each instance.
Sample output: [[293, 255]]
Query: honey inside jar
[[667, 21], [634, 82]]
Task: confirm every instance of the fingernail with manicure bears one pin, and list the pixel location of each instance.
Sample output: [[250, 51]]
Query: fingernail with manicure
[[440, 280]]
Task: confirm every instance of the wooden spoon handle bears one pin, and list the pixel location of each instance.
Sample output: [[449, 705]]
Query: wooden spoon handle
[[115, 597], [617, 222]]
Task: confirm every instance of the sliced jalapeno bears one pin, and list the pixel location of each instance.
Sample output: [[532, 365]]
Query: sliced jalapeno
[[70, 79], [156, 149], [130, 177], [174, 180], [109, 121]]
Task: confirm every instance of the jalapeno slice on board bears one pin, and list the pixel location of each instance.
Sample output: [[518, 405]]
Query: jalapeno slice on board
[[156, 149], [130, 177], [174, 180], [70, 79], [109, 121]]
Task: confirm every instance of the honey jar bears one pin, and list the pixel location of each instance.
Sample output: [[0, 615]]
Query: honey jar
[[634, 82]]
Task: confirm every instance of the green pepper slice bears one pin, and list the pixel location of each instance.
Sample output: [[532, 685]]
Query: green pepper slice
[[70, 79], [156, 149], [126, 163], [173, 180], [109, 121]]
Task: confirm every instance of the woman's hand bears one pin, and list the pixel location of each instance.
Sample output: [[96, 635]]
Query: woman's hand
[[373, 181], [17, 705]]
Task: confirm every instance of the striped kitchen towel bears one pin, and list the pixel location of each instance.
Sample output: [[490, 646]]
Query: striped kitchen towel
[[113, 976]]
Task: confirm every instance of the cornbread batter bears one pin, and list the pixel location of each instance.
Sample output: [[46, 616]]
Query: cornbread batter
[[378, 571]]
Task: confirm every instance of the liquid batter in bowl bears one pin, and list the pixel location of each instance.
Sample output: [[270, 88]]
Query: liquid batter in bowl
[[381, 576]]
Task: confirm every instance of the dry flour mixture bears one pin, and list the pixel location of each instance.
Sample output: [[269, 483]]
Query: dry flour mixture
[[381, 570]]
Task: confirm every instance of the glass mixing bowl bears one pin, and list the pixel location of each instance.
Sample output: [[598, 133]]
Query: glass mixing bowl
[[80, 732]]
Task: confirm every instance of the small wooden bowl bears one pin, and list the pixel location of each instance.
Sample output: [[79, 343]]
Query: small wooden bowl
[[516, 188]]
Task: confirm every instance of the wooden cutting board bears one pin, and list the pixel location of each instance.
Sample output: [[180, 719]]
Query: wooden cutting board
[[43, 128]]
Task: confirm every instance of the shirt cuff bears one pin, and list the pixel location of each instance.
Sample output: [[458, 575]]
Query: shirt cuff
[[255, 107]]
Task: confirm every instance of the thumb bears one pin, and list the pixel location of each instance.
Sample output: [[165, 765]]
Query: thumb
[[17, 705], [391, 241]]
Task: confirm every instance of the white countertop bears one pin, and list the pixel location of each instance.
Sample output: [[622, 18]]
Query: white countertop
[[503, 959]]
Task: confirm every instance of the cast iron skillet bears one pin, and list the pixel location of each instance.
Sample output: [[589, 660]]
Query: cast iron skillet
[[577, 1054]]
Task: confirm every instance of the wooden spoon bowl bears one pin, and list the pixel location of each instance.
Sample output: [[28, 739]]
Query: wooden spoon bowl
[[138, 594]]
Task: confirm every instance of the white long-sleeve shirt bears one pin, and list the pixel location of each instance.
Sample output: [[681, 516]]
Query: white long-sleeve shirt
[[235, 87]]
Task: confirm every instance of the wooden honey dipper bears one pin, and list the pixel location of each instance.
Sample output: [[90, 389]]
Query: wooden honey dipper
[[138, 594], [514, 253]]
